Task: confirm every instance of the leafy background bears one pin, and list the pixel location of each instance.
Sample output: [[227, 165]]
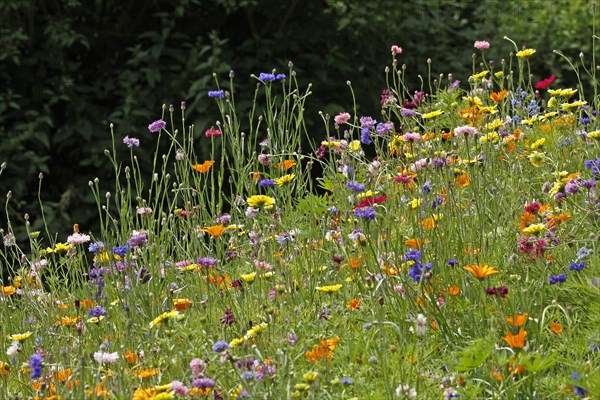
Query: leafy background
[[70, 68]]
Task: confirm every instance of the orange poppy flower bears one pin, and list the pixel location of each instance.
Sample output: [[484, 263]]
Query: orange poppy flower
[[462, 180], [355, 262], [182, 304], [516, 341], [353, 304], [517, 320], [204, 167], [130, 357], [147, 373], [415, 243], [287, 164], [498, 96], [215, 230], [453, 290], [481, 271], [556, 328]]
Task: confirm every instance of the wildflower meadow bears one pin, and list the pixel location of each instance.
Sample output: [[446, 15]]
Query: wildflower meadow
[[447, 247]]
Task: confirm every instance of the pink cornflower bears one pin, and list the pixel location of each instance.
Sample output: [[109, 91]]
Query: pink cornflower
[[212, 132], [197, 365], [466, 130], [341, 118], [179, 388], [396, 49], [482, 45], [411, 137]]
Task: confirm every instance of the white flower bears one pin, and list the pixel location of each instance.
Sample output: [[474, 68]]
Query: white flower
[[106, 358], [13, 349], [406, 391], [78, 238], [421, 323]]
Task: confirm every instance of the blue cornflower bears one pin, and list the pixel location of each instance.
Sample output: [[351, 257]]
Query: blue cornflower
[[585, 120], [413, 255], [267, 183], [365, 212], [355, 186], [220, 346], [426, 188], [334, 210], [367, 325], [280, 77], [265, 77], [594, 165], [36, 364], [452, 263], [583, 252], [203, 383], [576, 266], [96, 246], [346, 381], [367, 123], [120, 250], [219, 94], [97, 311], [557, 279], [581, 392], [364, 136]]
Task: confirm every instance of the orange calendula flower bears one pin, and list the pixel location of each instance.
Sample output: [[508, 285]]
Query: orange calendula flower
[[462, 179], [353, 304], [215, 230], [204, 167], [517, 320], [481, 271], [498, 96], [182, 304], [67, 321], [516, 341], [556, 328], [146, 373]]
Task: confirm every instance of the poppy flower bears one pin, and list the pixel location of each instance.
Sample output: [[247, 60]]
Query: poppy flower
[[353, 304], [516, 341], [204, 167], [517, 320], [545, 83], [556, 328], [481, 271], [215, 230]]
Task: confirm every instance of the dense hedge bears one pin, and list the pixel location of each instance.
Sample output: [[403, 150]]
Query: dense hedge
[[70, 68]]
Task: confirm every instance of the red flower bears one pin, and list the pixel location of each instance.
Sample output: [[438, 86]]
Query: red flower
[[370, 201], [544, 84]]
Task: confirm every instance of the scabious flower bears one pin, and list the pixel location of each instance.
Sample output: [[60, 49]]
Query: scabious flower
[[157, 126], [207, 261], [179, 388], [411, 137], [367, 123], [131, 142], [197, 365], [383, 128], [481, 45], [465, 130]]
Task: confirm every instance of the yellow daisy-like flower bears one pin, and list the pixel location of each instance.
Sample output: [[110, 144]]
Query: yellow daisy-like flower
[[260, 201], [95, 320], [490, 137], [549, 115], [19, 337], [285, 179], [236, 342], [533, 229], [538, 143], [536, 158], [525, 53], [415, 203], [481, 271], [530, 121], [164, 316], [495, 124], [499, 74], [255, 330], [594, 135], [354, 145], [310, 376], [480, 75], [552, 102], [432, 114], [474, 100], [489, 109], [59, 248], [330, 144], [575, 104], [329, 289], [249, 277], [562, 92]]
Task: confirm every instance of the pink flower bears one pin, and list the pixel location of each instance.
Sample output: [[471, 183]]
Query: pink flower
[[179, 388], [545, 83], [482, 45], [197, 365], [341, 118], [465, 131], [212, 132], [396, 49], [411, 137]]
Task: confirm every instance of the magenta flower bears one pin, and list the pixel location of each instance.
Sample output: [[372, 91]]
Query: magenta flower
[[396, 49], [157, 125]]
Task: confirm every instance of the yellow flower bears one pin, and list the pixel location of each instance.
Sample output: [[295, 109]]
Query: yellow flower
[[432, 114], [329, 289], [415, 203], [516, 341], [594, 135], [310, 376], [552, 102], [474, 100], [490, 137], [95, 320], [330, 144], [575, 104], [536, 158], [499, 74], [19, 337], [525, 53], [164, 316], [354, 145], [489, 109], [530, 121], [59, 247], [255, 330], [285, 179], [480, 75], [562, 92], [549, 115], [481, 271], [533, 228], [236, 342], [538, 143], [249, 277], [260, 201]]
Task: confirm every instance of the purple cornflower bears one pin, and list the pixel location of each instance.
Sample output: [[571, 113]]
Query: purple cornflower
[[265, 77], [203, 383], [157, 125], [355, 186], [36, 364], [588, 184], [280, 77], [220, 346], [228, 318], [365, 212], [557, 279], [346, 381], [131, 142], [571, 187], [367, 123], [576, 266], [267, 183], [95, 247], [219, 94], [145, 275], [97, 311], [452, 263], [384, 128], [453, 86], [207, 261], [594, 165], [413, 255], [426, 189]]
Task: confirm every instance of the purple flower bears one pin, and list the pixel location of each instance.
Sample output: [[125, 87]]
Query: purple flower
[[571, 187], [267, 183], [576, 266], [452, 263], [557, 279], [97, 311], [365, 212], [453, 86], [407, 112], [207, 261], [36, 364], [413, 255], [355, 186], [367, 123], [280, 77], [346, 381], [157, 125], [120, 250], [384, 128], [131, 142], [219, 94], [203, 383], [220, 346], [228, 318], [145, 275], [96, 246], [364, 137], [594, 165], [138, 239], [265, 77]]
